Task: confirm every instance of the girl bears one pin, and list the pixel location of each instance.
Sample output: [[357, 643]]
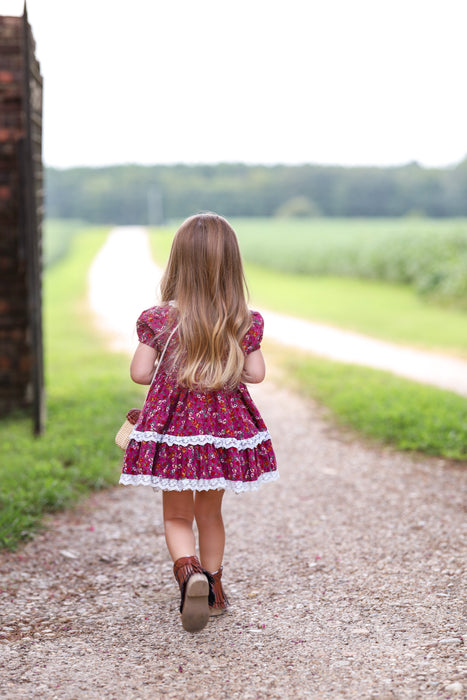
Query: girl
[[199, 432]]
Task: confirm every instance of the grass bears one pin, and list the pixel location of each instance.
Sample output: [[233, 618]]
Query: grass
[[88, 392], [58, 237], [388, 311], [378, 405], [428, 255]]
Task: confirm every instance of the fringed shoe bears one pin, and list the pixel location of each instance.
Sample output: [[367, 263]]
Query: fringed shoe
[[221, 602], [196, 586]]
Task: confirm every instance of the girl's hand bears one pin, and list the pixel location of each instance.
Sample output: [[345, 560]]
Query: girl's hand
[[142, 366], [254, 369]]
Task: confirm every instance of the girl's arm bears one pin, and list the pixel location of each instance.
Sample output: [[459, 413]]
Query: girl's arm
[[143, 364], [254, 369]]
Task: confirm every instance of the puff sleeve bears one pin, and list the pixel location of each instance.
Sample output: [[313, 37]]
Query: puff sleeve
[[149, 326], [254, 335]]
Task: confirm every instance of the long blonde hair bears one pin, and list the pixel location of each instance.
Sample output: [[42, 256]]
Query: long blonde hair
[[205, 279]]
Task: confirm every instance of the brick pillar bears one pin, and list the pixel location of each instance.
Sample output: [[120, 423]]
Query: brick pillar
[[16, 351]]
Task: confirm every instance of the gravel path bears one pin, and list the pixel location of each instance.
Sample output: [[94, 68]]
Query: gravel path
[[347, 579]]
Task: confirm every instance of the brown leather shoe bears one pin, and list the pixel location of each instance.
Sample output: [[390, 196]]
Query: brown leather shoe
[[196, 595], [221, 602]]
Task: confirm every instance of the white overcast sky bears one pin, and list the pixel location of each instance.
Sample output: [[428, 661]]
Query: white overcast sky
[[261, 81]]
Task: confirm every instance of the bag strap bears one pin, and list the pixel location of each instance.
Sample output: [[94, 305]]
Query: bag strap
[[162, 355]]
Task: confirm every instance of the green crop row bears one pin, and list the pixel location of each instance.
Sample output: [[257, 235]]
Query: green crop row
[[429, 255], [390, 311]]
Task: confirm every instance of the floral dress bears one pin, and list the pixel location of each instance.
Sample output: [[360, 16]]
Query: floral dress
[[197, 440]]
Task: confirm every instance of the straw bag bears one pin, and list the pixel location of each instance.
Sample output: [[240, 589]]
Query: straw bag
[[122, 437]]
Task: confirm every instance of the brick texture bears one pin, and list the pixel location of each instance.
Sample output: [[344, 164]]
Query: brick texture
[[16, 351]]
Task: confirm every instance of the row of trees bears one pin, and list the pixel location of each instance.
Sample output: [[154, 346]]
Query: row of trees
[[136, 194]]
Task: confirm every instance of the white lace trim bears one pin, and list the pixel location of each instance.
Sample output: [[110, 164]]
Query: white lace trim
[[185, 440], [157, 482]]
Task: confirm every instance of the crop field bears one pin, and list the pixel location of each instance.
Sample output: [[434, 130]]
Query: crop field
[[355, 274], [428, 255]]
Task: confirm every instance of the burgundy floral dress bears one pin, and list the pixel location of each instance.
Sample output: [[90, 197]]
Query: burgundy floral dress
[[197, 440]]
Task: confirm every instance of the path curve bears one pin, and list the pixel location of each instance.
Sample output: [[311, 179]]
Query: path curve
[[346, 578], [125, 265]]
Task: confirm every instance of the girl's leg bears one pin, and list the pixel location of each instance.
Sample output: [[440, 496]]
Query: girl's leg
[[208, 514], [178, 509], [195, 587]]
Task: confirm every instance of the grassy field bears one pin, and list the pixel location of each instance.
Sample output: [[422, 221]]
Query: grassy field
[[378, 308], [88, 390], [428, 255], [58, 239], [386, 311]]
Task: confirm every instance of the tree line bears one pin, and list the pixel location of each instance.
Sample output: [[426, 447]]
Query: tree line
[[137, 194]]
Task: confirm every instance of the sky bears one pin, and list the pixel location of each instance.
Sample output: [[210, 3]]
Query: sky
[[349, 82]]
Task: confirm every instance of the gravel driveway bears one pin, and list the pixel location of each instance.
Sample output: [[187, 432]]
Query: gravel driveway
[[347, 579]]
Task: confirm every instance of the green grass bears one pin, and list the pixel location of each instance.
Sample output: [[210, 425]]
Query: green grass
[[88, 393], [58, 237], [389, 311], [395, 411], [161, 241], [429, 255]]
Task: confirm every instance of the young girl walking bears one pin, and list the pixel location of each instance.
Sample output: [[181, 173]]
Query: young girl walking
[[199, 432]]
